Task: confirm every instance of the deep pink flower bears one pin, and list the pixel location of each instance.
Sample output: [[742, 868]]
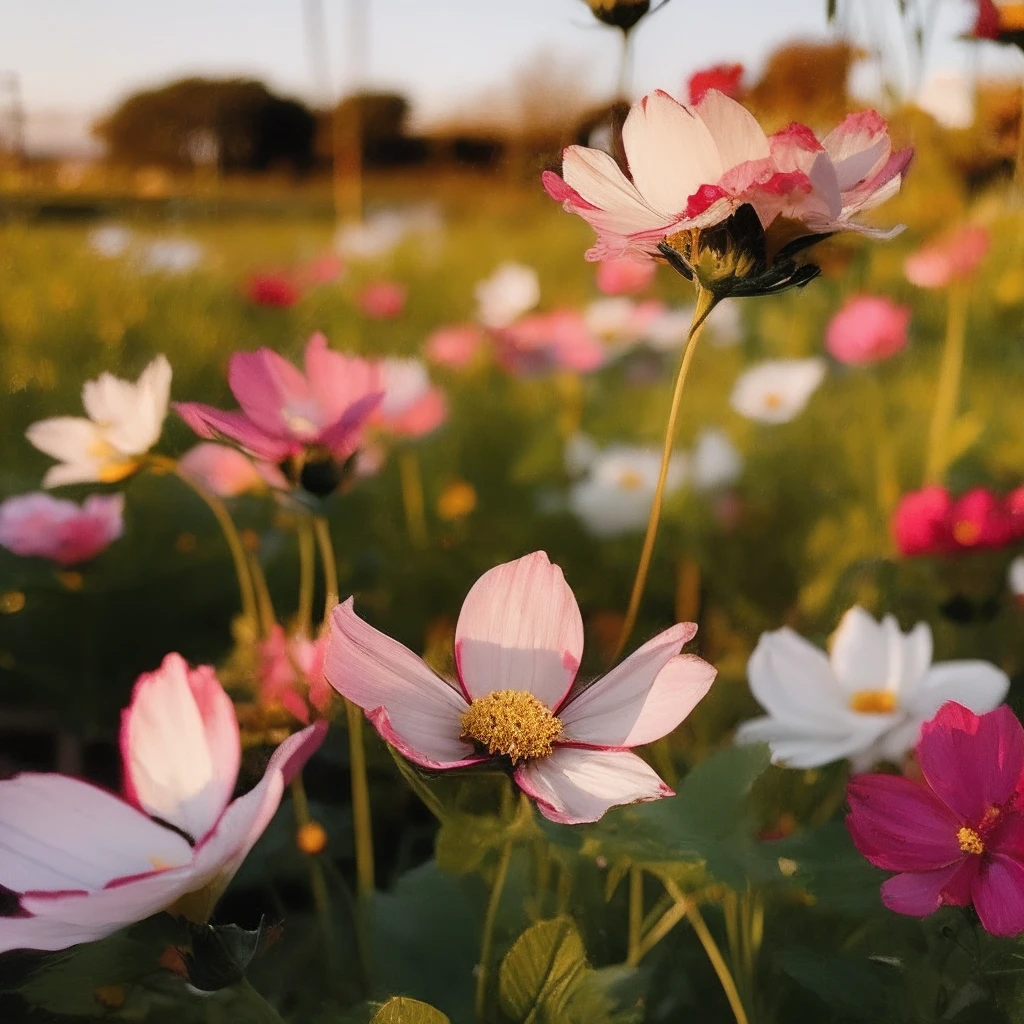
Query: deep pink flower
[[455, 345], [272, 288], [291, 673], [86, 863], [693, 167], [957, 838], [287, 413], [411, 406], [383, 300], [725, 78], [518, 645], [228, 472], [624, 277], [867, 329], [544, 342], [932, 522], [67, 533], [944, 260]]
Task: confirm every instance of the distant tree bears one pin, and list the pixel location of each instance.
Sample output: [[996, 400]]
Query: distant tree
[[236, 123]]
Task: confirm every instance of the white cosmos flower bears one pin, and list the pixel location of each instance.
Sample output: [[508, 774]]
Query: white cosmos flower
[[1016, 577], [723, 328], [866, 701], [615, 495], [109, 240], [513, 289], [715, 461], [124, 422], [777, 390], [171, 255]]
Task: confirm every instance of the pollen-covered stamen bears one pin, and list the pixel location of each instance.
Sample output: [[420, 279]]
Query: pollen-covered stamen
[[970, 841], [513, 723], [873, 702]]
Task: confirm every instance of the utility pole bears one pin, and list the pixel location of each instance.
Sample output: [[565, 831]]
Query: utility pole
[[12, 117]]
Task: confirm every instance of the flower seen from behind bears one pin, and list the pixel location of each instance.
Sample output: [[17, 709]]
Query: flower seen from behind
[[518, 645], [865, 700], [65, 532]]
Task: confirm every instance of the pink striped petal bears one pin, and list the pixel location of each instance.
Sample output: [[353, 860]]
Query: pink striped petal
[[998, 895], [574, 785], [643, 698], [920, 893], [520, 629], [180, 746], [412, 708]]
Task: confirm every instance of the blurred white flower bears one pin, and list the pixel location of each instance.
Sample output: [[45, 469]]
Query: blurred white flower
[[171, 255], [723, 328], [1015, 577], [580, 452], [124, 422], [615, 495], [715, 461], [950, 99], [777, 390], [513, 289], [620, 322], [725, 324], [110, 240], [866, 701], [379, 233]]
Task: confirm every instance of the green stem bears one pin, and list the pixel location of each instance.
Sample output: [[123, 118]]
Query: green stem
[[714, 955], [361, 821], [412, 496], [947, 390], [322, 529], [307, 574], [636, 915], [662, 927], [490, 919], [705, 304], [264, 605]]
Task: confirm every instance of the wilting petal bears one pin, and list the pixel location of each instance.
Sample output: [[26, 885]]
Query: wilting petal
[[180, 746], [972, 761], [977, 685], [574, 785], [921, 893], [234, 426], [998, 895], [520, 629], [643, 698], [264, 383], [59, 833], [414, 710], [901, 825]]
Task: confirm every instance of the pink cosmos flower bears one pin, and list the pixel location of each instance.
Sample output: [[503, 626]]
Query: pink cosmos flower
[[86, 863], [693, 167], [932, 522], [227, 472], [544, 342], [383, 300], [725, 78], [958, 837], [38, 525], [324, 269], [286, 413], [624, 277], [272, 288], [411, 406], [867, 329], [291, 673], [455, 345], [518, 645], [949, 258]]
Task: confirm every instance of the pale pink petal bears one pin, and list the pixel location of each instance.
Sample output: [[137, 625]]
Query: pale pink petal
[[520, 629], [413, 709], [346, 435], [264, 384], [920, 893], [574, 785], [998, 895], [221, 469], [736, 134], [59, 833], [615, 203], [337, 381], [643, 698], [213, 424], [180, 746], [859, 147]]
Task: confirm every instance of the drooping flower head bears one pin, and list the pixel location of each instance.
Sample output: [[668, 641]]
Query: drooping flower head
[[957, 837], [65, 532], [719, 200], [932, 522], [311, 424], [620, 14], [866, 700], [867, 329], [518, 645], [124, 422], [86, 863]]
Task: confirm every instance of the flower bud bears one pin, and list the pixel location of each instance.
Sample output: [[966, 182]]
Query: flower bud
[[622, 14]]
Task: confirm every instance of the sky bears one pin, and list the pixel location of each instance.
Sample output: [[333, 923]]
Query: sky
[[76, 59]]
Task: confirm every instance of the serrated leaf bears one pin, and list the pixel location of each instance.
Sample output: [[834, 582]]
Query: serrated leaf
[[402, 1010]]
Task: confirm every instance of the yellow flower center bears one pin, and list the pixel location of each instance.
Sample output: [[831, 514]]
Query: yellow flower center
[[631, 480], [773, 400], [965, 532], [513, 723], [970, 841], [873, 702]]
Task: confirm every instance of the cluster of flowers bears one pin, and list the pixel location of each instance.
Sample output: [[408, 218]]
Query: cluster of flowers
[[933, 522]]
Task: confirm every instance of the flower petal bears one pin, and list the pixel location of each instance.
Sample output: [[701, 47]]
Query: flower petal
[[520, 629], [901, 825], [736, 134], [998, 895], [337, 381], [234, 426], [977, 685], [798, 745], [972, 762], [643, 698], [574, 785], [920, 893], [180, 746], [264, 383], [59, 833], [413, 709]]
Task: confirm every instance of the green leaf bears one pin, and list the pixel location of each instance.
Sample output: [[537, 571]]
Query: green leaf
[[856, 987], [540, 972], [402, 1010]]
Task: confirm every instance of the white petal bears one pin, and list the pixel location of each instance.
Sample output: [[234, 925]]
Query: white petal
[[71, 439], [643, 698], [799, 748], [599, 181], [863, 651], [71, 473], [776, 391], [977, 685], [736, 133], [520, 629], [58, 834], [574, 785]]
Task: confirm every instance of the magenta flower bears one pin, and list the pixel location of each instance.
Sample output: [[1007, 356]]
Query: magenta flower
[[958, 837], [932, 522], [867, 329], [518, 645], [308, 420], [86, 863], [63, 531]]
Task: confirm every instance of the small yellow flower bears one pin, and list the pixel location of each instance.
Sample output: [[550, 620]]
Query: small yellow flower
[[458, 499], [311, 838]]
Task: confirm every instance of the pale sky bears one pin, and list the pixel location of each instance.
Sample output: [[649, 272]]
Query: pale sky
[[76, 58]]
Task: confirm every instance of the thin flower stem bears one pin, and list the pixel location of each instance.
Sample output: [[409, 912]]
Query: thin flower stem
[[714, 954], [490, 919], [412, 497], [662, 927], [322, 530], [361, 820], [234, 541], [636, 914], [705, 304], [947, 390], [264, 604], [307, 574]]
